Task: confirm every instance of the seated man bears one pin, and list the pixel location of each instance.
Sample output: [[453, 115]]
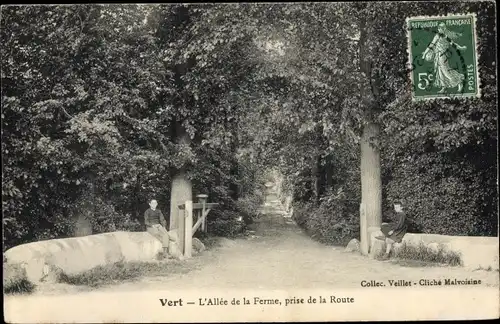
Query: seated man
[[394, 232], [156, 223]]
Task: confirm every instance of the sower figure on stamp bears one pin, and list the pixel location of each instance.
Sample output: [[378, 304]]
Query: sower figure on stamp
[[394, 232], [438, 51], [156, 224]]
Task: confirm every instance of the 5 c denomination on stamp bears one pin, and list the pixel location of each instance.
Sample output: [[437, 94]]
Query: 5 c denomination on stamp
[[443, 56]]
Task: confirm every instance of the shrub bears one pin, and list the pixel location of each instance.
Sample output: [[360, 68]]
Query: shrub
[[15, 280], [446, 193], [301, 212], [22, 286], [226, 223], [249, 207], [126, 223], [335, 221], [208, 239], [107, 219], [234, 217]]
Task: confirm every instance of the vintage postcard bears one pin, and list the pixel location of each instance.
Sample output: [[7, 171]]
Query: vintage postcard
[[244, 162]]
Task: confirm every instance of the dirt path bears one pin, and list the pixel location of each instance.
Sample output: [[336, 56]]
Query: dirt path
[[281, 256]]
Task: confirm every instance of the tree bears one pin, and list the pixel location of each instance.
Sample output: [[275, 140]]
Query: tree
[[376, 81], [136, 101], [74, 123]]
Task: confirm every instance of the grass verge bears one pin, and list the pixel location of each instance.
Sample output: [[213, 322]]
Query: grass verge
[[422, 255], [21, 286], [113, 273], [15, 280], [489, 269], [129, 271], [123, 271]]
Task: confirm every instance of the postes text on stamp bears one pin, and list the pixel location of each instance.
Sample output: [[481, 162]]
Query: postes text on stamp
[[443, 56]]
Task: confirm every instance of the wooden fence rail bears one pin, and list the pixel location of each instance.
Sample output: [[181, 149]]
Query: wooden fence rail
[[186, 228]]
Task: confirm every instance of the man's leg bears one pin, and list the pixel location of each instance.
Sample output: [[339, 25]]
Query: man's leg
[[397, 247], [152, 230], [164, 238], [388, 249], [156, 232], [161, 234]]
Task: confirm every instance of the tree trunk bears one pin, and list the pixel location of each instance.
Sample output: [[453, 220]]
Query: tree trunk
[[371, 184], [318, 181], [234, 189], [328, 173], [233, 186], [85, 212], [182, 188], [139, 204], [83, 226], [312, 182]]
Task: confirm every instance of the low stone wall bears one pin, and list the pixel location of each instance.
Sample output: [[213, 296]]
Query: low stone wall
[[78, 254], [476, 251]]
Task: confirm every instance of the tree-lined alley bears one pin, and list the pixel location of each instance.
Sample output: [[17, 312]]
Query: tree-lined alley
[[106, 106]]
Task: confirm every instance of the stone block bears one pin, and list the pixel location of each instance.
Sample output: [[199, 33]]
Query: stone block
[[433, 247], [79, 254], [175, 251], [476, 256], [173, 235], [353, 246], [135, 246], [477, 252], [377, 246], [198, 245]]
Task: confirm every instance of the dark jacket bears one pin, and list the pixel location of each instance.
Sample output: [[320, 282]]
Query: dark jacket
[[399, 227]]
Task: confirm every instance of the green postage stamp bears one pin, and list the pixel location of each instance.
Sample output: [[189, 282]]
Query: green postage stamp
[[443, 56]]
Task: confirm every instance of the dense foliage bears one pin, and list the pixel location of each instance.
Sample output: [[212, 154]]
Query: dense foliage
[[89, 97], [438, 157], [93, 97]]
